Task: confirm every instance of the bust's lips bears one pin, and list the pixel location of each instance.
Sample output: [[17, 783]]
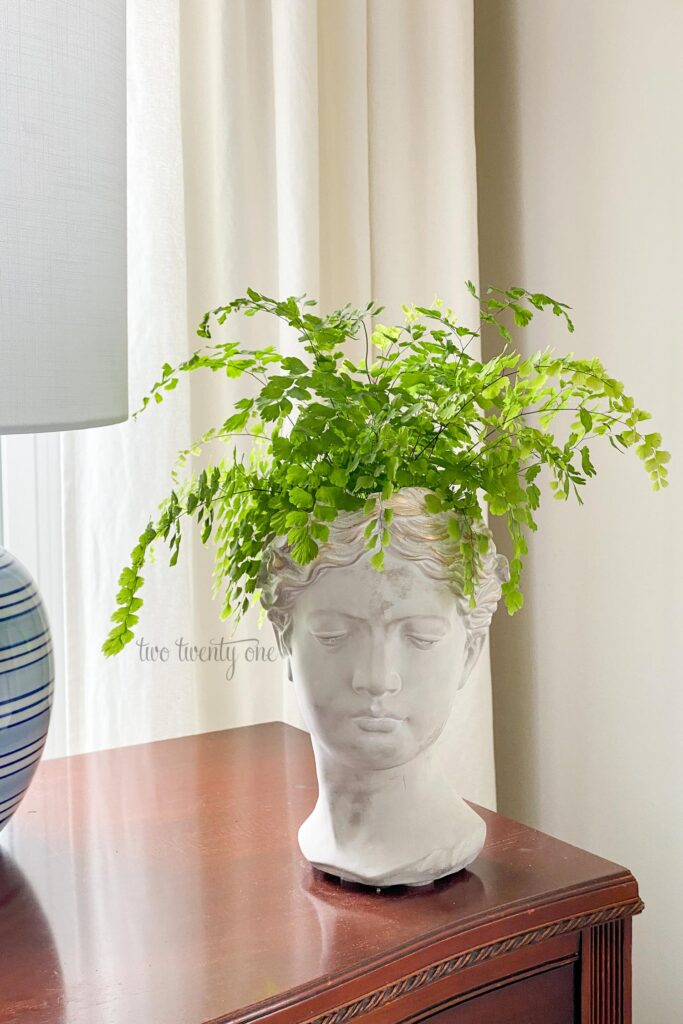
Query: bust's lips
[[374, 721]]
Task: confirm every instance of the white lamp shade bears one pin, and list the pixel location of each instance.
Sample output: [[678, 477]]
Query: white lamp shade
[[63, 351]]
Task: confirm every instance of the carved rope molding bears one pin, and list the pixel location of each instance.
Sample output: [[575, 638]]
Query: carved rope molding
[[428, 975]]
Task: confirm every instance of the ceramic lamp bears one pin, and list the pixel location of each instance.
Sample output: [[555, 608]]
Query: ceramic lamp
[[63, 356]]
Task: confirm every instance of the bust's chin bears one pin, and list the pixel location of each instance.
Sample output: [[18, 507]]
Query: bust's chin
[[362, 747]]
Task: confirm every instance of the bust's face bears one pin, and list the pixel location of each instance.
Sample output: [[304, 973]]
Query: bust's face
[[376, 660]]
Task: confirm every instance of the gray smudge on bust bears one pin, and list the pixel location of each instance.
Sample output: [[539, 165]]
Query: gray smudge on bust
[[400, 579], [359, 805]]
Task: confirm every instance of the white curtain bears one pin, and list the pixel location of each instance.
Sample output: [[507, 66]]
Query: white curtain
[[295, 146]]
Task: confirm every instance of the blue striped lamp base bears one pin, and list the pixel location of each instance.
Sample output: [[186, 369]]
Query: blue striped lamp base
[[26, 682]]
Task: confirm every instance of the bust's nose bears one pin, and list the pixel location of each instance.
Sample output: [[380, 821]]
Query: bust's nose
[[375, 673]]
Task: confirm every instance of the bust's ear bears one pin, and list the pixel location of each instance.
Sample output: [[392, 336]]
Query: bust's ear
[[472, 652]]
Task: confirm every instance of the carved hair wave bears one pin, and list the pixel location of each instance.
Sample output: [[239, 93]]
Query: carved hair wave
[[415, 535]]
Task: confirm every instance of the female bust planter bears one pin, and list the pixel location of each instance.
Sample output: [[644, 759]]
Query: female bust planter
[[376, 659], [381, 605]]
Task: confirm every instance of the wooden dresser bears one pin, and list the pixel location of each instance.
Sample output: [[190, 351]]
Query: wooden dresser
[[163, 884]]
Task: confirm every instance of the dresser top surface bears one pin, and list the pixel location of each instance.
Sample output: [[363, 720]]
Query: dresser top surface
[[163, 882]]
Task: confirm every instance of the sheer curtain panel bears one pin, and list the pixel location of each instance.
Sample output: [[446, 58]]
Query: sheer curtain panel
[[292, 146]]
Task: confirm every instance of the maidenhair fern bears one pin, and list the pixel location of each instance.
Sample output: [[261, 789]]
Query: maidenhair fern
[[327, 433]]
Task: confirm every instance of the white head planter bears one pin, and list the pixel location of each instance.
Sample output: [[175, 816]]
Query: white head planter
[[376, 660]]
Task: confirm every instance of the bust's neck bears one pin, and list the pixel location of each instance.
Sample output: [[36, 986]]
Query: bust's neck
[[402, 825]]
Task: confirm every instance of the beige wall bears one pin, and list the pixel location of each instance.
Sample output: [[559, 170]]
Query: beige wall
[[579, 127]]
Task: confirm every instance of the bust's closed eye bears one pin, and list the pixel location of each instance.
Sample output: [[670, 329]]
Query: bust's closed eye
[[425, 632], [330, 639], [423, 643]]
